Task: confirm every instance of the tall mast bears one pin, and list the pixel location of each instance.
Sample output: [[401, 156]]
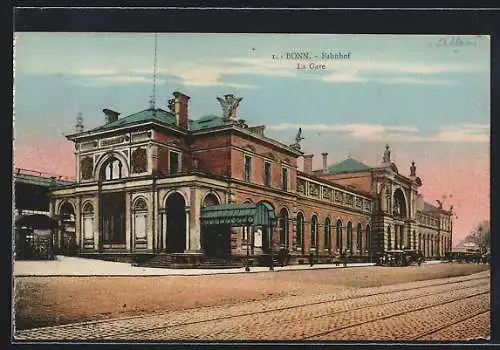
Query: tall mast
[[152, 101]]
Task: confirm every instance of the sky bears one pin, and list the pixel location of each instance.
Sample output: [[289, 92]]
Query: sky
[[426, 96]]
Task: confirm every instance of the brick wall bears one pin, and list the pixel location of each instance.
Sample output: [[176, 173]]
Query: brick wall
[[322, 211], [361, 181], [167, 138], [216, 161], [260, 155], [162, 160]]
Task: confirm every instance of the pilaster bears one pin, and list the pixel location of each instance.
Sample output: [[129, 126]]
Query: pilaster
[[194, 220]]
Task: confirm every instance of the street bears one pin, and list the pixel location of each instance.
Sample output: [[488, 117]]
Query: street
[[456, 308]]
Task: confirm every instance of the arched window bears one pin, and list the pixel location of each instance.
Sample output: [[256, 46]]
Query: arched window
[[283, 224], [368, 239], [399, 204], [300, 230], [140, 222], [210, 199], [88, 208], [112, 169], [349, 236], [359, 238], [339, 236], [314, 231], [140, 205], [88, 222], [67, 212], [328, 235]]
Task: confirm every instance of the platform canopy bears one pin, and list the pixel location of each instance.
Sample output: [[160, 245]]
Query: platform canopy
[[244, 214], [36, 221]]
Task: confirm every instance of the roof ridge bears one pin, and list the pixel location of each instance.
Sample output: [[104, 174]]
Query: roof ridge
[[348, 165], [143, 116]]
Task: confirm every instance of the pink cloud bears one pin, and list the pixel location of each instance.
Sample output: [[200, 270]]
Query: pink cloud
[[469, 184], [45, 155]]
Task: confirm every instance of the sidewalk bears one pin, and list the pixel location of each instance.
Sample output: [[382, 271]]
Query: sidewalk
[[72, 266]]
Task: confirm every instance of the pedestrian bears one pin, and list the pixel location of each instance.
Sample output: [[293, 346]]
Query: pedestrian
[[311, 258]]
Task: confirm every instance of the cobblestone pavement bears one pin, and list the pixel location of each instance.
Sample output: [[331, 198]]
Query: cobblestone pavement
[[444, 309]]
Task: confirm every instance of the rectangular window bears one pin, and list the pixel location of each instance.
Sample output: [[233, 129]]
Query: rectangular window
[[284, 179], [248, 167], [174, 162], [267, 173]]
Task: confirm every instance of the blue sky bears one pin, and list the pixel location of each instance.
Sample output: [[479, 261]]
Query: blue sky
[[411, 82], [427, 96]]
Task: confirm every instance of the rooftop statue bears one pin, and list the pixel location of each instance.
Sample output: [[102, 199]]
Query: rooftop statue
[[387, 155], [298, 139], [229, 105]]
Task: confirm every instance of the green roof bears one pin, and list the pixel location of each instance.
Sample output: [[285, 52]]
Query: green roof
[[149, 114], [206, 122], [40, 180], [347, 166], [239, 214]]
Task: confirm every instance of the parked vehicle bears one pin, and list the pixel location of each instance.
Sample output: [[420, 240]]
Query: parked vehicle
[[34, 237], [467, 257], [401, 258]]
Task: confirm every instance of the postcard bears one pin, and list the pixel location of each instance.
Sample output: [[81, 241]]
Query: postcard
[[187, 187]]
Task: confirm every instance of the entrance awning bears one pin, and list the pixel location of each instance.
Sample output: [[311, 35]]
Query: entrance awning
[[243, 214]]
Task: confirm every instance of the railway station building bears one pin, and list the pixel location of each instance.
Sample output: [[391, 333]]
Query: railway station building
[[144, 183]]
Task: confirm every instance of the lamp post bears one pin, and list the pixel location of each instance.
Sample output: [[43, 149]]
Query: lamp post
[[271, 264], [247, 267]]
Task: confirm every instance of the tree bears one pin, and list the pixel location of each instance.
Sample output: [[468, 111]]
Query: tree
[[481, 235]]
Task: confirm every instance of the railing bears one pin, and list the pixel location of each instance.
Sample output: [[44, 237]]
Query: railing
[[22, 171]]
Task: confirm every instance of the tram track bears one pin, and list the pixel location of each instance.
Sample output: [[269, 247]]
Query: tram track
[[224, 332], [363, 307], [392, 315], [110, 329], [463, 319]]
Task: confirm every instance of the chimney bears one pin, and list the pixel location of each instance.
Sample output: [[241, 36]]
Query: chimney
[[325, 161], [308, 163], [181, 109], [111, 116]]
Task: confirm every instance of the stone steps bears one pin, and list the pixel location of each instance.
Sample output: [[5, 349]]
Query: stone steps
[[168, 261]]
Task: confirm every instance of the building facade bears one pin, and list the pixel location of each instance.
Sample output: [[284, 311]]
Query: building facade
[[144, 179]]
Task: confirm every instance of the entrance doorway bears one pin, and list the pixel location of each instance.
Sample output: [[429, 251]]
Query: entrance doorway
[[267, 231], [176, 223], [67, 230], [217, 241], [113, 219]]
